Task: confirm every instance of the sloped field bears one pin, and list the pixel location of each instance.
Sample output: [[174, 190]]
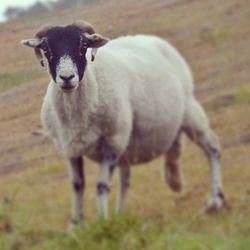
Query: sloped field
[[35, 191]]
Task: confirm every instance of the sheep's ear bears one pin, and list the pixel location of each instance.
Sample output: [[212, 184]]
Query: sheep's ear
[[95, 41], [36, 44], [33, 42]]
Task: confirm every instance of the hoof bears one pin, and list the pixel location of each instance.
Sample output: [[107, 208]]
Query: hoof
[[175, 185], [215, 204], [73, 225], [175, 182]]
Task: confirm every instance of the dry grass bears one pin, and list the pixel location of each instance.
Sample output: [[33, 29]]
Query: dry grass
[[215, 39]]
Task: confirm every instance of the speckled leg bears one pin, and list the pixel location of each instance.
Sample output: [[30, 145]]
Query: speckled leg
[[78, 184], [103, 183], [124, 185], [198, 130]]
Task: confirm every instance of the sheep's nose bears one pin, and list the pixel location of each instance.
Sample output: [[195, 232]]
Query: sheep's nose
[[67, 78]]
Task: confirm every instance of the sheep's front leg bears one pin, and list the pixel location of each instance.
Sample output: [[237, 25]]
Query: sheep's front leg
[[103, 183], [124, 185], [78, 184]]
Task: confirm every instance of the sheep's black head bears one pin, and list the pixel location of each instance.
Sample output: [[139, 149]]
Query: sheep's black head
[[65, 50]]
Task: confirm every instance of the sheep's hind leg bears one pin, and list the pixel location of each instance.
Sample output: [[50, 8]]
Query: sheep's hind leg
[[173, 175], [103, 183], [124, 172], [78, 184], [198, 130]]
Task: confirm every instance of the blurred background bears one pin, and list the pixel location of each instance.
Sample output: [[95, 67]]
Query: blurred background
[[214, 37]]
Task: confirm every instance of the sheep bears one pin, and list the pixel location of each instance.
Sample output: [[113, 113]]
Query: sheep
[[127, 105]]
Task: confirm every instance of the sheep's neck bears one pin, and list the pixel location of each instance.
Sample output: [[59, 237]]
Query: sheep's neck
[[73, 106]]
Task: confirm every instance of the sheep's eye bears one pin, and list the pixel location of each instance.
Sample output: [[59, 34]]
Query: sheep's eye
[[82, 49], [44, 47], [51, 57], [48, 54]]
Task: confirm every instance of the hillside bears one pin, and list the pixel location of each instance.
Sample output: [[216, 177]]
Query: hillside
[[214, 38]]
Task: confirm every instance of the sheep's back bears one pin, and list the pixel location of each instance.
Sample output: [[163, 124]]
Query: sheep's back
[[154, 73]]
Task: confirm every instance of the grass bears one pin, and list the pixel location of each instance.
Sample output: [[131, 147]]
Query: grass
[[243, 96], [35, 200], [179, 230], [34, 211], [10, 77]]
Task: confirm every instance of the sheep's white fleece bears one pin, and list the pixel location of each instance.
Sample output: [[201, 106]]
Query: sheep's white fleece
[[134, 95]]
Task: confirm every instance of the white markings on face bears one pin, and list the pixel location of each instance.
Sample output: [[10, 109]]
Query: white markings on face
[[66, 72]]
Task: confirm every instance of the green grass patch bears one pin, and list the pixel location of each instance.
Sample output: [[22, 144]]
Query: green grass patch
[[11, 77], [243, 95], [130, 232]]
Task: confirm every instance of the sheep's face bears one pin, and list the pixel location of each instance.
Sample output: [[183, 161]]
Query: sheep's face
[[65, 57], [65, 50]]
